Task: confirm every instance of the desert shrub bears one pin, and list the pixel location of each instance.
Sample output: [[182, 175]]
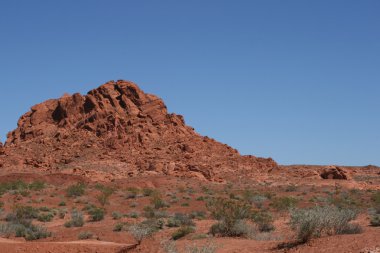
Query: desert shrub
[[375, 220], [182, 232], [240, 228], [141, 231], [208, 247], [318, 221], [148, 192], [37, 186], [264, 221], [96, 214], [76, 190], [158, 202], [32, 232], [133, 215], [150, 213], [105, 193], [284, 203], [77, 219], [258, 200], [169, 246], [23, 213], [230, 214], [376, 197], [345, 200], [62, 213], [291, 188], [46, 217], [21, 226], [62, 203], [85, 235], [200, 215], [179, 220], [116, 215], [118, 227]]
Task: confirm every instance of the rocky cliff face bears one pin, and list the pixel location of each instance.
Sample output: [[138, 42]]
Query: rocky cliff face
[[118, 130]]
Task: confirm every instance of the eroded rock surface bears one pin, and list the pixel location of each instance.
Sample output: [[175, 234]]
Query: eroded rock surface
[[119, 130], [334, 172]]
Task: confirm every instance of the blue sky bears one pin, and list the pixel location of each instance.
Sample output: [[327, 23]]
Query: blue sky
[[295, 80]]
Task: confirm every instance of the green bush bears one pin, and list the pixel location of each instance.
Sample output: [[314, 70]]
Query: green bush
[[118, 227], [37, 186], [284, 203], [76, 190], [317, 221], [96, 214], [116, 215], [158, 202], [77, 220], [264, 221], [85, 235], [230, 214], [148, 192], [375, 220], [182, 232], [145, 229], [179, 220], [105, 193], [46, 217], [20, 224]]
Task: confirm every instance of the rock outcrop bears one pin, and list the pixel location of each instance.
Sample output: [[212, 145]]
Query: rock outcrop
[[119, 130], [334, 172]]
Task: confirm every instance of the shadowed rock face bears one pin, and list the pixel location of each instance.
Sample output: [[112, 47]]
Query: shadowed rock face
[[121, 131]]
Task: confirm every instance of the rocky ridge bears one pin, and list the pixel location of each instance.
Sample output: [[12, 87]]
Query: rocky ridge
[[118, 131]]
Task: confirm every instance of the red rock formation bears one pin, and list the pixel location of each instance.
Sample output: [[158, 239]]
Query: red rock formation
[[334, 172], [119, 130]]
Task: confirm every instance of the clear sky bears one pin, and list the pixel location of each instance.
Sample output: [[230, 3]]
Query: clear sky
[[295, 80]]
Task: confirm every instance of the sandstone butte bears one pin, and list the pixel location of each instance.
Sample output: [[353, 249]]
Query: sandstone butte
[[118, 131]]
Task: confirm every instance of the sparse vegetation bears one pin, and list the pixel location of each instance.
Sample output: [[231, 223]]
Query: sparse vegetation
[[231, 215], [284, 203], [315, 222], [77, 220], [86, 235], [96, 213], [76, 190], [182, 232]]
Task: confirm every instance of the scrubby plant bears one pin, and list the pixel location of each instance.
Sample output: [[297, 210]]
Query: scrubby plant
[[85, 235], [77, 219], [318, 221], [182, 232], [96, 214], [231, 214], [158, 202], [179, 220], [76, 190], [19, 223], [62, 213], [208, 247], [46, 217], [116, 215], [37, 186], [148, 192], [263, 220], [200, 215], [133, 215], [119, 227], [284, 203], [141, 231], [105, 193], [375, 220]]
